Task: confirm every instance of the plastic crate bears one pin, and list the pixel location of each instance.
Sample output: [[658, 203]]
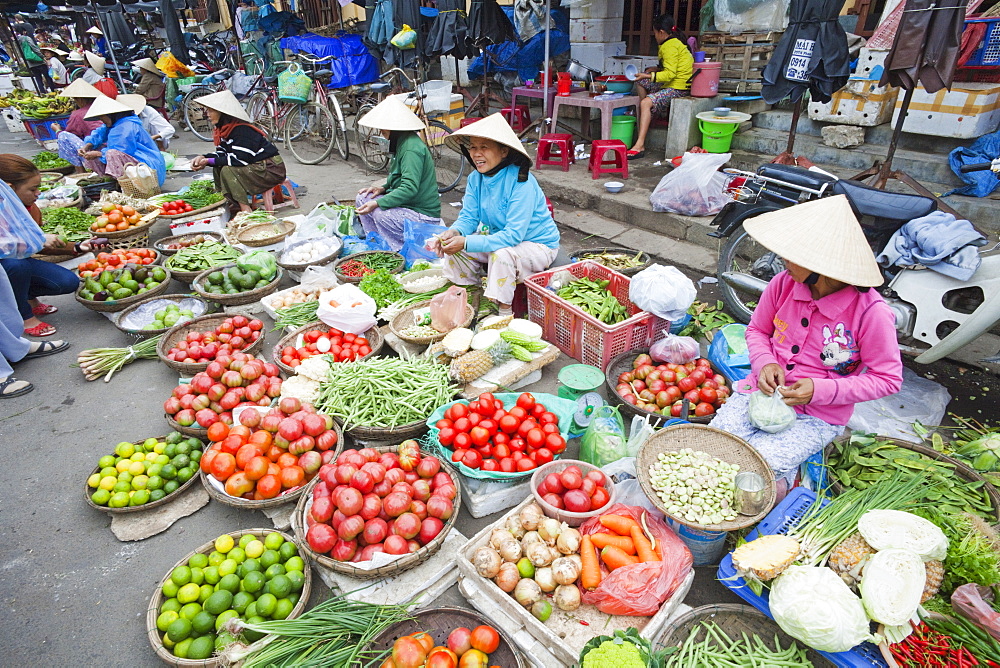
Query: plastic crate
[[783, 517], [582, 336], [41, 129], [988, 52], [978, 74]]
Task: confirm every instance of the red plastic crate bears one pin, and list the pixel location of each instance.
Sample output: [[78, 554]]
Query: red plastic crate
[[582, 336]]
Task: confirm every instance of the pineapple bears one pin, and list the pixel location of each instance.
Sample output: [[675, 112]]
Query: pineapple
[[766, 557], [849, 557], [457, 341], [470, 366], [935, 576], [500, 352], [495, 322], [436, 352]]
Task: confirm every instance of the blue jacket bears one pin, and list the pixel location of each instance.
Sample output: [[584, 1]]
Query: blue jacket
[[511, 212], [129, 137], [937, 241]]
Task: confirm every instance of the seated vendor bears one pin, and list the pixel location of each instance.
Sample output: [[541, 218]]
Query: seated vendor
[[410, 192], [70, 140], [245, 163], [819, 335], [119, 142], [151, 85], [505, 229], [153, 121]]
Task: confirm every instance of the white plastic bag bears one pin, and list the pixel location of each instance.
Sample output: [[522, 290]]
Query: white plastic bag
[[918, 400], [751, 15], [662, 291], [319, 277], [639, 432], [770, 413], [696, 188], [673, 349], [322, 221], [347, 308]]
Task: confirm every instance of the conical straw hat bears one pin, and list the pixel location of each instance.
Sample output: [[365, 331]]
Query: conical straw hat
[[94, 30], [822, 236], [105, 106], [95, 61], [224, 102], [79, 88], [493, 127], [58, 52], [75, 56], [148, 65], [391, 114], [133, 101]]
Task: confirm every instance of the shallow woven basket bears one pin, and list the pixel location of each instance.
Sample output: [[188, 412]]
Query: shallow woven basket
[[404, 563], [240, 298], [160, 244], [111, 306], [280, 229], [64, 171], [373, 335], [401, 433], [404, 319], [357, 256], [439, 623], [199, 324], [193, 430], [632, 271], [962, 470], [193, 213], [142, 227], [323, 261], [717, 443], [87, 491], [148, 333], [734, 620], [154, 636], [189, 276]]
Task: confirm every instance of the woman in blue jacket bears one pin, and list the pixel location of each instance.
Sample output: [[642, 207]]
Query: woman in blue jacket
[[120, 142]]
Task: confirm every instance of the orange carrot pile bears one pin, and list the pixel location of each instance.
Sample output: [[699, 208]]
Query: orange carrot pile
[[630, 543]]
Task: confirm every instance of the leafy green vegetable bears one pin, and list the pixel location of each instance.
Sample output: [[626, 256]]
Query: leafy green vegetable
[[971, 555], [49, 160], [705, 319], [382, 287], [201, 194], [69, 223], [262, 262]]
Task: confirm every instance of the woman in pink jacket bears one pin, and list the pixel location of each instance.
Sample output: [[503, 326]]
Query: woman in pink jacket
[[819, 335]]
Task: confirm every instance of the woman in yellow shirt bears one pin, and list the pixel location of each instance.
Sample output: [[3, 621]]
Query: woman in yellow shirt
[[657, 87]]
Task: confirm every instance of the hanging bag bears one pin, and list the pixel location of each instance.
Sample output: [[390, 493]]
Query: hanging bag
[[293, 85], [406, 38]]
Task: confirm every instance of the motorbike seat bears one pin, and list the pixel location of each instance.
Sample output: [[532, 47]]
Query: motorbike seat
[[795, 175], [380, 86], [869, 201], [271, 80]]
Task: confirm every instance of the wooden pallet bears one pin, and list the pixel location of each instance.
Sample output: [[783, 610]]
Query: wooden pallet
[[743, 57]]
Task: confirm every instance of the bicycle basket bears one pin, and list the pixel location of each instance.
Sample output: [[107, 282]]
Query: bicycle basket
[[293, 84]]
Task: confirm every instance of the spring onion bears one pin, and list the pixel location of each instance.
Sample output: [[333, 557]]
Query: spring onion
[[296, 315], [97, 362]]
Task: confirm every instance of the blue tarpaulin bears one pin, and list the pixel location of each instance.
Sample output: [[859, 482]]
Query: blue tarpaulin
[[984, 149], [525, 59], [352, 63]]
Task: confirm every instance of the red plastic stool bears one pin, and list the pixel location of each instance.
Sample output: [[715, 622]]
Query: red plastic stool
[[618, 158], [518, 117], [562, 156], [275, 198], [469, 121]]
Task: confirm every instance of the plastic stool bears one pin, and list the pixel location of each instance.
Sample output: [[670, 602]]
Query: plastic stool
[[562, 156], [518, 117], [469, 121], [618, 160], [275, 198]]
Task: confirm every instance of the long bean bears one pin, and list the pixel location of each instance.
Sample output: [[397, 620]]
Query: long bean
[[717, 649], [210, 253], [296, 315]]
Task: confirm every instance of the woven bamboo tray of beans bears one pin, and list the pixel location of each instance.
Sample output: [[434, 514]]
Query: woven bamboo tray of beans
[[200, 324], [156, 638], [400, 265], [405, 562], [193, 430], [113, 305], [717, 443], [630, 271], [373, 335], [279, 230], [160, 245], [189, 276], [148, 333], [404, 319], [240, 298]]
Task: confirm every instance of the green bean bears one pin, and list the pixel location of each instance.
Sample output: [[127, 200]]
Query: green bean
[[718, 650], [296, 315], [210, 253]]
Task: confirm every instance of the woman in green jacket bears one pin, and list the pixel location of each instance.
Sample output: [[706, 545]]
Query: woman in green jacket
[[410, 192]]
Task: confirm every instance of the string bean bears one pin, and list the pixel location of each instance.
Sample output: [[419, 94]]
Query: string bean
[[209, 253], [296, 315], [718, 650], [595, 299]]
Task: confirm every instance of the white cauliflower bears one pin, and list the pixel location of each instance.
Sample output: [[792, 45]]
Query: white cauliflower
[[304, 389]]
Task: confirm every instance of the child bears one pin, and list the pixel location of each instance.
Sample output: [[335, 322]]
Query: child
[[57, 71]]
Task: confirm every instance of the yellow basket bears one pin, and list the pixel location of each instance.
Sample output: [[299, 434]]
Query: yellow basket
[[133, 188]]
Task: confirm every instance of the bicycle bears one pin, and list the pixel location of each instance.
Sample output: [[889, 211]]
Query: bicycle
[[374, 148], [322, 95]]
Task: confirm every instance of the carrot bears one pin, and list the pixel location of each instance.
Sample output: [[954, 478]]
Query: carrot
[[643, 547], [620, 524], [615, 557], [602, 540], [590, 574]]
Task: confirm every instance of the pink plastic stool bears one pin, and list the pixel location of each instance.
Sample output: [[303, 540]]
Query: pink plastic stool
[[618, 160], [469, 121], [518, 117], [275, 194], [562, 155]]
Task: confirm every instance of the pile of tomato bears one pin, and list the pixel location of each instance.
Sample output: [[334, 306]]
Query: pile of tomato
[[116, 259], [115, 218], [343, 347], [484, 435], [175, 208]]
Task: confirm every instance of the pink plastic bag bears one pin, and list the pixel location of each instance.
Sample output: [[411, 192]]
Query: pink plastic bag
[[641, 589], [674, 349], [448, 309], [968, 601]]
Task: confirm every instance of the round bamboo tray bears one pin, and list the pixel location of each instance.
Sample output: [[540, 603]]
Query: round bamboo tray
[[405, 562], [62, 171], [75, 204], [142, 227], [153, 634], [52, 177], [323, 261], [403, 432], [200, 324], [373, 335], [113, 305], [714, 442], [401, 263], [734, 620], [87, 492], [440, 622], [147, 333], [279, 228], [189, 276], [193, 212], [240, 298], [160, 245], [404, 319], [631, 271], [198, 432]]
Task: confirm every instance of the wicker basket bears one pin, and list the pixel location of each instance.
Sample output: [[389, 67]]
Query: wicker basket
[[87, 491], [716, 443], [189, 276], [401, 433], [240, 298], [154, 636], [440, 280], [142, 227], [323, 261], [401, 264], [631, 271], [194, 213], [135, 188], [373, 335], [179, 332], [279, 229], [51, 177], [147, 333], [734, 620], [439, 622], [113, 305], [193, 430], [160, 245], [404, 319], [63, 171], [404, 563]]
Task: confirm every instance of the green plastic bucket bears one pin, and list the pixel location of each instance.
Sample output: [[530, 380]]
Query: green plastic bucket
[[623, 128], [717, 137]]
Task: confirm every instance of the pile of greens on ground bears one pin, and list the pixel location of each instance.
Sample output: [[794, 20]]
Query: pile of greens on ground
[[49, 160], [382, 287], [69, 223]]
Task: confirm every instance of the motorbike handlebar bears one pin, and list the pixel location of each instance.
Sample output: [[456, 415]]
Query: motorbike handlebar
[[976, 167]]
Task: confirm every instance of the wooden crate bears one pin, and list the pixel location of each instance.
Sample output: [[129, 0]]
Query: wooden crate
[[743, 57]]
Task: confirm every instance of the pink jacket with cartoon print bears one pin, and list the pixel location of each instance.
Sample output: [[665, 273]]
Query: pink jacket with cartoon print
[[845, 342]]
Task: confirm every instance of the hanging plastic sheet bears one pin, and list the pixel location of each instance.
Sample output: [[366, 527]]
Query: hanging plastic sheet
[[525, 59], [352, 63], [448, 35]]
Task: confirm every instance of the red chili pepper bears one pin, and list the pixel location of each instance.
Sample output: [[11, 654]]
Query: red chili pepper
[[585, 623]]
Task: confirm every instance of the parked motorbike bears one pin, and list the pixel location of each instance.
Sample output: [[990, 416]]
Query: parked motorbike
[[930, 308]]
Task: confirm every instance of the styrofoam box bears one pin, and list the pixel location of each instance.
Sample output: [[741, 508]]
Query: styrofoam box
[[617, 64], [595, 9], [595, 30], [6, 83], [862, 103], [12, 118], [563, 635], [594, 55], [485, 497], [968, 110], [868, 60]]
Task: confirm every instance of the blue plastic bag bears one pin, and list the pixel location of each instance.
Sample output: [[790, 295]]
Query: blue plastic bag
[[729, 355], [20, 236], [415, 236]]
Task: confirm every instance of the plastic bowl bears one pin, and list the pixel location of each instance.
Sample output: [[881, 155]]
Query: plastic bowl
[[614, 186], [570, 518], [630, 72], [721, 111]]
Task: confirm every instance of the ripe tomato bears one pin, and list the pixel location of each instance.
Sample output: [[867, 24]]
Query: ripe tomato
[[543, 456], [525, 427], [548, 417], [518, 413], [687, 384], [487, 399], [458, 455], [463, 441], [525, 464], [708, 395], [441, 424], [509, 424], [474, 419], [508, 465], [489, 425], [456, 411], [480, 436], [223, 466], [535, 438], [472, 459], [491, 465], [703, 409], [526, 401], [474, 406], [537, 410], [556, 443], [500, 451], [550, 428], [447, 436], [517, 444], [463, 424], [485, 639]]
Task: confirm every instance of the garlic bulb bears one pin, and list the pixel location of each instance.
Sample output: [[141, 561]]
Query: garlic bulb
[[487, 562], [510, 551]]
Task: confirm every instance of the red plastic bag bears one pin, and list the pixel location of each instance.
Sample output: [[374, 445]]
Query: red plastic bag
[[448, 309], [968, 601], [640, 589]]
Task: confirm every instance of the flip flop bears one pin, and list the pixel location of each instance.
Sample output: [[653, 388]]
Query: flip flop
[[635, 155], [46, 348], [7, 382], [41, 329], [43, 309]]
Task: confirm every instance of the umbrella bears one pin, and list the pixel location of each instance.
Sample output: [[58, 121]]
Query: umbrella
[[449, 35], [927, 45], [489, 25]]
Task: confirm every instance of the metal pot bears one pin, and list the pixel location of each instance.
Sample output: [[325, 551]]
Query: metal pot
[[581, 72]]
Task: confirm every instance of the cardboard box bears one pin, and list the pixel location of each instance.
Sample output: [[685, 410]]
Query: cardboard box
[[595, 55], [595, 30], [860, 102], [968, 110]]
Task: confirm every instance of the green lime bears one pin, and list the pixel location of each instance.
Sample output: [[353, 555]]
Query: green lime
[[94, 480], [251, 611], [254, 548], [196, 456], [281, 586], [212, 576], [189, 593], [161, 460], [101, 497], [125, 449], [230, 582], [171, 605], [140, 481], [189, 611], [140, 497], [168, 472], [170, 450], [154, 470], [224, 543], [106, 461], [219, 602], [198, 560], [154, 483], [205, 591], [185, 474], [254, 581], [203, 622], [122, 487], [295, 564], [298, 580], [273, 540], [254, 636], [181, 648], [166, 619], [287, 551], [525, 568], [215, 558], [202, 647], [228, 567], [118, 500], [274, 570], [237, 554], [109, 472], [183, 448], [156, 495], [269, 558], [197, 575], [178, 630], [180, 461], [170, 486], [282, 609], [266, 604], [241, 601], [223, 639], [181, 575], [221, 620], [249, 566], [169, 589], [246, 539]]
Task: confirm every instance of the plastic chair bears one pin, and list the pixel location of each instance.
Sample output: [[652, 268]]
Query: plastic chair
[[275, 197], [469, 121], [599, 160], [518, 117], [562, 155]]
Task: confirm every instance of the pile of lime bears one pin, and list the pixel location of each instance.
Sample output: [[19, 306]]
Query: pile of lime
[[170, 316], [138, 474], [257, 579]]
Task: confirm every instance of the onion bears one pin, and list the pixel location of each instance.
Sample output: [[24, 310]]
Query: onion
[[508, 577], [499, 537], [568, 541], [567, 597], [513, 525], [576, 559], [487, 562], [549, 530], [543, 576], [539, 554], [527, 592], [510, 551], [530, 538], [564, 571], [531, 516]]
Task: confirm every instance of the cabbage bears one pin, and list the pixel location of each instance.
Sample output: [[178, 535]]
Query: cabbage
[[883, 529], [262, 262], [891, 585], [812, 604], [770, 413]]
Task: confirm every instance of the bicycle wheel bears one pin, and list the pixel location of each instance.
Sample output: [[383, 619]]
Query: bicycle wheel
[[372, 146], [339, 128], [261, 112], [449, 167], [196, 116], [309, 133]]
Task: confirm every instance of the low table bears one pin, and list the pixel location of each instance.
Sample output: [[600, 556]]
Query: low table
[[586, 103], [539, 93]]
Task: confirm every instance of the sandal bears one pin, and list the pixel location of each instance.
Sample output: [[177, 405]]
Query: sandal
[[41, 329], [46, 348], [43, 309], [635, 155], [6, 383]]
